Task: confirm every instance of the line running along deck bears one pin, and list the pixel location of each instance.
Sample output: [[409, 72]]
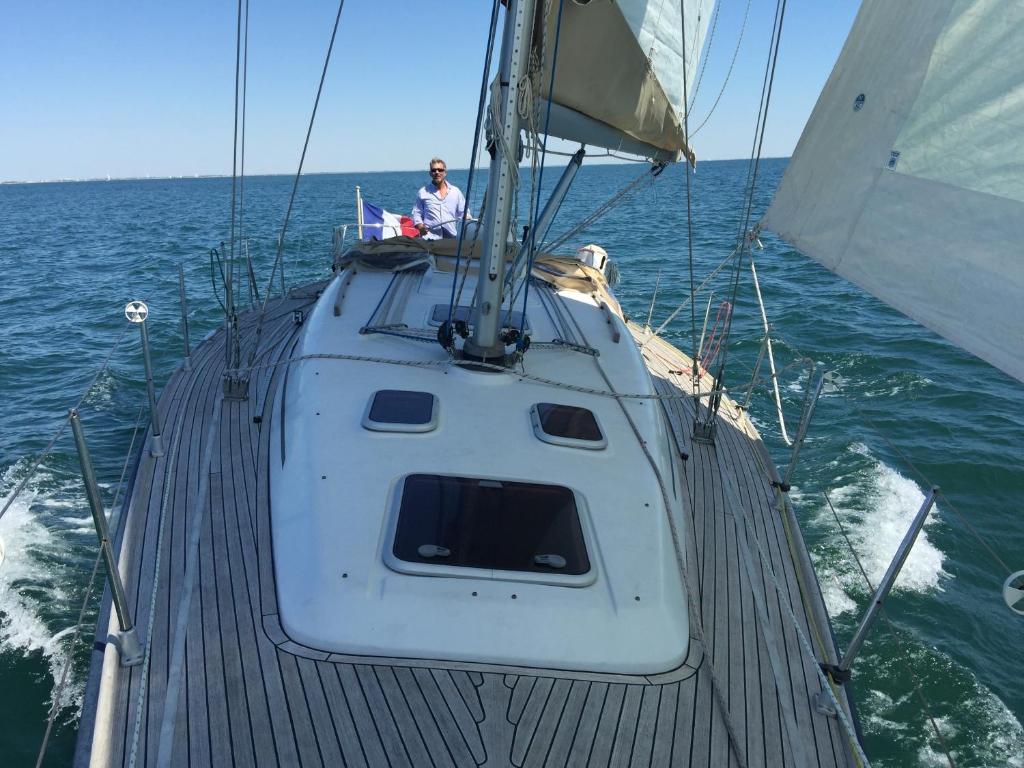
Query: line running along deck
[[223, 684]]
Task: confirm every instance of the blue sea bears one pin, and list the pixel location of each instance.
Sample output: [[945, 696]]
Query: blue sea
[[912, 411]]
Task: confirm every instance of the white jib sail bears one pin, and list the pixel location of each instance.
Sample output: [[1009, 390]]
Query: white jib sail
[[908, 179], [619, 73]]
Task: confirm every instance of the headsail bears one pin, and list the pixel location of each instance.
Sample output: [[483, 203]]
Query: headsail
[[909, 177], [619, 73]]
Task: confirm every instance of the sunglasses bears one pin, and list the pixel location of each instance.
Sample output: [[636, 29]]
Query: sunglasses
[[437, 170]]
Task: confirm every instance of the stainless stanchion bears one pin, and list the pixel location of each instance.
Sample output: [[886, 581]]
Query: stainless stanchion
[[127, 640], [840, 673], [829, 382], [137, 312], [187, 362]]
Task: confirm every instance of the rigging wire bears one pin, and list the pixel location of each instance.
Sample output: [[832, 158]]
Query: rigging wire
[[230, 320], [694, 378], [728, 74], [295, 185], [762, 120], [492, 31], [241, 178], [707, 55], [650, 173]]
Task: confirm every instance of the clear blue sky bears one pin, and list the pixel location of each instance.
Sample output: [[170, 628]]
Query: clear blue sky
[[136, 89]]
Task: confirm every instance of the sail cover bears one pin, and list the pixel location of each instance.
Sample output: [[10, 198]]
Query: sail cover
[[908, 179], [619, 72]]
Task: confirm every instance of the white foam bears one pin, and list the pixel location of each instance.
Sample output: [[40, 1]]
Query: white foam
[[877, 505], [28, 589]]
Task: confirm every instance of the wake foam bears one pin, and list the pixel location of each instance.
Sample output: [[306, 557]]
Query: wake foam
[[877, 505], [35, 606]]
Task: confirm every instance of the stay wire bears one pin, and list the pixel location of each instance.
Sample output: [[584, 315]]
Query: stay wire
[[531, 248], [241, 178], [895, 629], [762, 121], [295, 185], [707, 56], [728, 74], [480, 107], [695, 378], [229, 292]]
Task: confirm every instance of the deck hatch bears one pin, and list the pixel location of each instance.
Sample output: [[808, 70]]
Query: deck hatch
[[401, 410], [568, 425], [503, 526]]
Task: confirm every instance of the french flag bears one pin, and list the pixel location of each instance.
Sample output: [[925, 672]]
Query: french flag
[[378, 224]]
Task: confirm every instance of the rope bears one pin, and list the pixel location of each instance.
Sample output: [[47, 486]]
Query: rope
[[689, 298], [58, 695], [63, 425], [681, 563], [728, 74], [295, 184], [894, 628], [441, 364], [707, 56]]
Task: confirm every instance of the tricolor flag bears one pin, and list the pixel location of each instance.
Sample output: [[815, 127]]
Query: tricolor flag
[[378, 224]]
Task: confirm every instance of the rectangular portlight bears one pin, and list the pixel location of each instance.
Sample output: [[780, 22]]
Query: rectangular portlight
[[401, 410], [568, 425]]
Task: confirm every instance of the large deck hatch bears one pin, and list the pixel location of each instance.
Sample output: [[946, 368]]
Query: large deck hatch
[[495, 525]]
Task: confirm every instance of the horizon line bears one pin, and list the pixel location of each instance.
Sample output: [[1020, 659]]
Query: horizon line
[[174, 177]]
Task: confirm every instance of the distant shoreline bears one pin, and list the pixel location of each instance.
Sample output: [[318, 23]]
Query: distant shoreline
[[262, 175]]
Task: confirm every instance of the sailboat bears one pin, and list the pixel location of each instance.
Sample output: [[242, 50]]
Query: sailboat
[[452, 507]]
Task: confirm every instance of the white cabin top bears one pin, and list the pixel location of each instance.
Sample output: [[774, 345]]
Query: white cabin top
[[352, 496]]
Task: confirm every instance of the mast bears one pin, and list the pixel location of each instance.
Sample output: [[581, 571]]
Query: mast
[[501, 187]]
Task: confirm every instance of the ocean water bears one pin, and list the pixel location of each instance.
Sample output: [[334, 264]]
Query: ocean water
[[912, 411]]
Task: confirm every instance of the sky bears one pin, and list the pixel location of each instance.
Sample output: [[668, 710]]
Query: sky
[[135, 89]]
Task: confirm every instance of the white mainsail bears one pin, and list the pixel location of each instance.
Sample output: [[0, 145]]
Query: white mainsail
[[619, 73], [908, 179]]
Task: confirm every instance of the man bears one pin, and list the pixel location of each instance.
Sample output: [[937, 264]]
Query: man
[[439, 206]]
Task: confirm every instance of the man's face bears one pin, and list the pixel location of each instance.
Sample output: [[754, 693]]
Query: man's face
[[437, 173]]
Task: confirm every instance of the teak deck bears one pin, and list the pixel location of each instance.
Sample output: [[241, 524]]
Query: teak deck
[[224, 684]]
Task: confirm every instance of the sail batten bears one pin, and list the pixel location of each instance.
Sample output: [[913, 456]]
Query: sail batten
[[619, 72], [909, 177]]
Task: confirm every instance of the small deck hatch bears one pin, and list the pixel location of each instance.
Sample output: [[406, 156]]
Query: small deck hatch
[[401, 410], [568, 425], [501, 526]]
